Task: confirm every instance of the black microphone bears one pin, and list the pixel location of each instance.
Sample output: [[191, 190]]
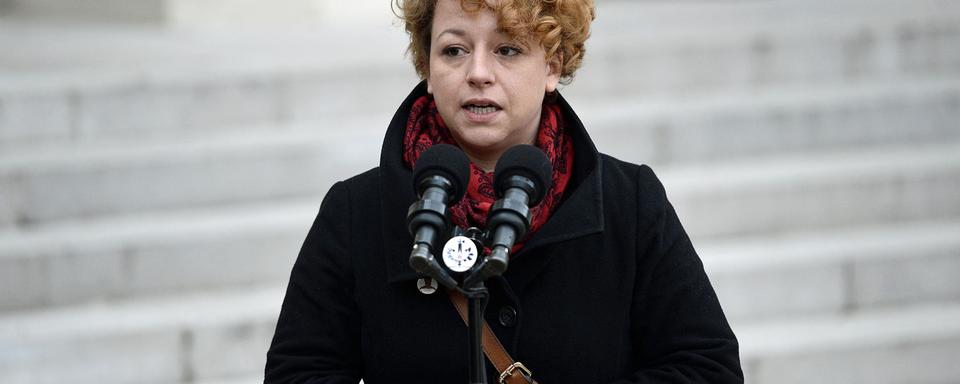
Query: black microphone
[[521, 179], [440, 178]]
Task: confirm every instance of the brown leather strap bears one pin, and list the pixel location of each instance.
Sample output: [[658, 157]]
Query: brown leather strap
[[511, 372]]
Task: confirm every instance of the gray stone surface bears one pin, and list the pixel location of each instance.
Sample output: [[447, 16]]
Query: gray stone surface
[[834, 272], [750, 125], [863, 347], [33, 119], [23, 282], [758, 295], [76, 277], [142, 180], [252, 379], [902, 281], [229, 351], [175, 253], [362, 90], [816, 193], [931, 361], [144, 357], [174, 12], [264, 256], [695, 48], [659, 132], [149, 341], [10, 200], [136, 10], [151, 109], [189, 80], [830, 189]]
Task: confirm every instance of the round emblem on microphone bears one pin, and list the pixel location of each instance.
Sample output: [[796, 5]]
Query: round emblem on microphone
[[459, 253]]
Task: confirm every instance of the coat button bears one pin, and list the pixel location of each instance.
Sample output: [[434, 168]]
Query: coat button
[[508, 316], [427, 285]]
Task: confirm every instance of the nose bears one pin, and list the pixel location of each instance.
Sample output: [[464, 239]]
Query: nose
[[480, 73]]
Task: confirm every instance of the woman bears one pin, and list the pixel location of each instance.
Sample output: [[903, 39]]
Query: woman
[[606, 286]]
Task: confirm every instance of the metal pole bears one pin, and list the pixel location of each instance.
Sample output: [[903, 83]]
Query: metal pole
[[477, 301]]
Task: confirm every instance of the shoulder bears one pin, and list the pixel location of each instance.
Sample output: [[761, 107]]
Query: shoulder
[[364, 181], [619, 175], [629, 187], [344, 196], [362, 184]]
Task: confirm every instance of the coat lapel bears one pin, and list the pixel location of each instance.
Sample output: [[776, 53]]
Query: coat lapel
[[580, 214]]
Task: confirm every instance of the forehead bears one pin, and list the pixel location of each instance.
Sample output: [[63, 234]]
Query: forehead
[[450, 14]]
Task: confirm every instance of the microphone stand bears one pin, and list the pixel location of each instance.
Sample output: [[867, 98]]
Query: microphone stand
[[477, 297], [472, 288], [493, 264]]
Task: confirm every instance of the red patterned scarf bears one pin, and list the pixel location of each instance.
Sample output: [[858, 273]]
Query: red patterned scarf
[[425, 128]]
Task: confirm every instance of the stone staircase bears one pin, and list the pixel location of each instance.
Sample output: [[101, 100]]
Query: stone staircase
[[156, 183]]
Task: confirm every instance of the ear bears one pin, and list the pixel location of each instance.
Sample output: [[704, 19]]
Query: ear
[[553, 72], [429, 86]]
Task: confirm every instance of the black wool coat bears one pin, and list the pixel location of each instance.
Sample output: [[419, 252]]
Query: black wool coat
[[609, 290]]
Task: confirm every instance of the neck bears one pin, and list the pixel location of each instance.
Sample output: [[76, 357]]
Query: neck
[[486, 158], [484, 161]]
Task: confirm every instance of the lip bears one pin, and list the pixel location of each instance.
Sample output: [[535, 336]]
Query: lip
[[480, 101], [478, 118]]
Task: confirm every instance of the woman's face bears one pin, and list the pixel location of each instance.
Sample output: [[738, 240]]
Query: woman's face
[[488, 87]]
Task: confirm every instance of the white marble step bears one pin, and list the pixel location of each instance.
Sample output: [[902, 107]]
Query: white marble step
[[733, 13], [667, 131], [829, 269], [689, 47], [62, 84], [257, 379], [179, 339], [807, 192], [834, 272], [179, 13], [899, 345], [111, 177], [218, 13], [721, 199], [172, 252], [662, 130], [215, 337], [118, 179]]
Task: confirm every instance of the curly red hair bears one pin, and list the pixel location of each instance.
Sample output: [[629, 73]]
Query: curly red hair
[[561, 26]]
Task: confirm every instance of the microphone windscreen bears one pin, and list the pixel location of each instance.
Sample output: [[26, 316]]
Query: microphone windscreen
[[447, 161], [526, 161]]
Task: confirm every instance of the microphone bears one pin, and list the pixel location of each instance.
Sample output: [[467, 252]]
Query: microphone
[[440, 178], [521, 179]]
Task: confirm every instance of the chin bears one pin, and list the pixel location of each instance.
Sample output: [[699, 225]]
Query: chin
[[482, 138]]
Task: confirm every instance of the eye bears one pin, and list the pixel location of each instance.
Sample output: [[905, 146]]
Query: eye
[[507, 50], [453, 51]]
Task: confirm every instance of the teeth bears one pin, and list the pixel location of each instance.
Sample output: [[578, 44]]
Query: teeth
[[481, 110]]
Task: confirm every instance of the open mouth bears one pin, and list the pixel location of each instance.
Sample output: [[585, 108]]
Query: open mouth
[[481, 107]]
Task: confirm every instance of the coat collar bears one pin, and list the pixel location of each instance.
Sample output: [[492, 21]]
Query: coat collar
[[580, 214]]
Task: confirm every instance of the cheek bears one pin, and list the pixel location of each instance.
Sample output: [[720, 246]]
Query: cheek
[[438, 81], [434, 76], [532, 90]]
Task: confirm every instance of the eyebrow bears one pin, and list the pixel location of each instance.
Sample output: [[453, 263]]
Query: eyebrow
[[461, 33], [453, 31]]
